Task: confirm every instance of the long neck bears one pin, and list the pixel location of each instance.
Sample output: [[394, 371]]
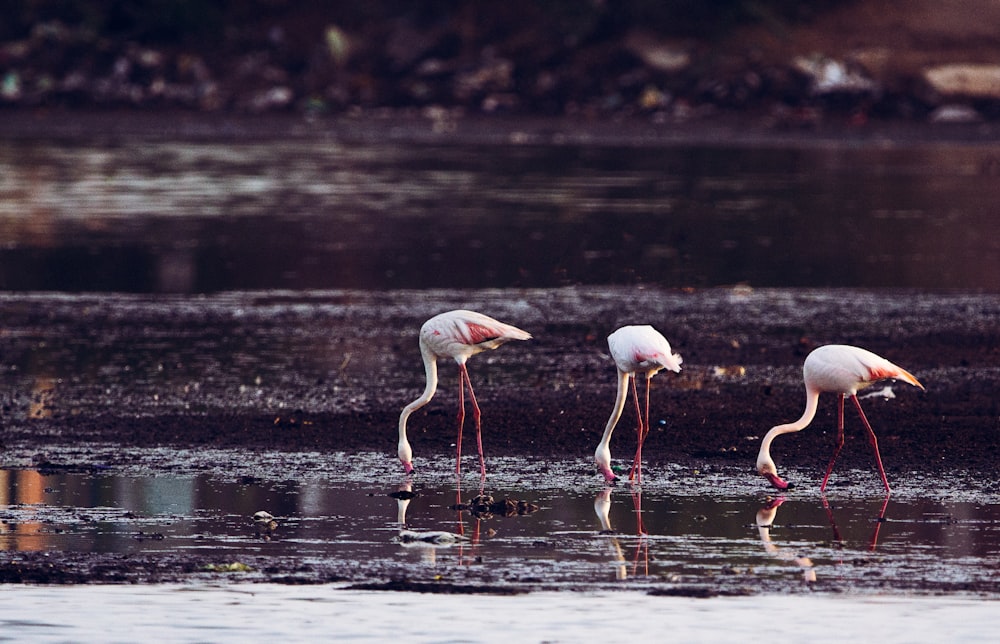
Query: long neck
[[812, 401], [616, 413], [430, 371]]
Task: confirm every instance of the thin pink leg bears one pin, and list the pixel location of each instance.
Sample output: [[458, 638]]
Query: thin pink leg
[[461, 418], [645, 420], [840, 440], [476, 416], [636, 473], [874, 444]]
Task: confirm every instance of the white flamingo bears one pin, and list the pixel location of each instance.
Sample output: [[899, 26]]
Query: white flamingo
[[843, 370], [636, 350], [457, 335]]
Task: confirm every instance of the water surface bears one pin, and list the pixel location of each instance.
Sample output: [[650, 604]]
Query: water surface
[[589, 535], [207, 216]]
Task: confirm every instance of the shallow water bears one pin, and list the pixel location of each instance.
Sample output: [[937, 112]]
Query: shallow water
[[205, 216], [579, 534]]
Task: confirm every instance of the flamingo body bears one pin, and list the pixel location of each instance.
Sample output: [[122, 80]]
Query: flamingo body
[[636, 350], [458, 335], [843, 370]]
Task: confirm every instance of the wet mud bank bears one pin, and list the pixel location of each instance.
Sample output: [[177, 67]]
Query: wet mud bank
[[91, 381]]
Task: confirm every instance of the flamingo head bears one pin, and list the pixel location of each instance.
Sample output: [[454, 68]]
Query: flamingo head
[[405, 455], [770, 472], [765, 464], [609, 476], [776, 480], [602, 457]]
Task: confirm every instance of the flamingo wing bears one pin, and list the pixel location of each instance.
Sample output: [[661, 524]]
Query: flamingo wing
[[846, 369], [642, 348], [460, 334]]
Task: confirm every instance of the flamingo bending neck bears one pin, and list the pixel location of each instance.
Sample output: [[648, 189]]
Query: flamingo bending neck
[[765, 464], [602, 455], [430, 371]]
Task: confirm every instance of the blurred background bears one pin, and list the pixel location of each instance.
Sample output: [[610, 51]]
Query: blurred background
[[198, 146], [790, 60]]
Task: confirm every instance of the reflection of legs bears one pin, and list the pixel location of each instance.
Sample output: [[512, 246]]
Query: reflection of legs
[[874, 443], [833, 522], [642, 546], [636, 473], [458, 504], [637, 505], [840, 438], [878, 524]]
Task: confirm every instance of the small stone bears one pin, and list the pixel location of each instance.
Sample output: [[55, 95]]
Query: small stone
[[955, 114], [969, 79]]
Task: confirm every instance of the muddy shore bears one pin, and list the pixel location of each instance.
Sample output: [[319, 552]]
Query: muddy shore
[[285, 373]]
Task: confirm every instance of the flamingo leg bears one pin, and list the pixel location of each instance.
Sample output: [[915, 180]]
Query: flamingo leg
[[636, 473], [645, 423], [840, 440], [874, 444], [476, 416], [462, 373]]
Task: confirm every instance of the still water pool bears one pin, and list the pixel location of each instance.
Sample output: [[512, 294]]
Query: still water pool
[[816, 559], [315, 212], [568, 534]]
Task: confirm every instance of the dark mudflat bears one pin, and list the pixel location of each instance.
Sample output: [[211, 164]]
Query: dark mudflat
[[89, 378]]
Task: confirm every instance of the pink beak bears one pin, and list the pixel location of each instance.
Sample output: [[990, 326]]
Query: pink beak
[[778, 482], [408, 466]]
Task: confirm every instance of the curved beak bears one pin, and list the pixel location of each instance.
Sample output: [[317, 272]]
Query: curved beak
[[778, 482], [408, 466]]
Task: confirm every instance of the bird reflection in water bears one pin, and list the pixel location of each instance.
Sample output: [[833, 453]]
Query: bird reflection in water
[[425, 541], [602, 508], [879, 520], [23, 493], [264, 525], [765, 521]]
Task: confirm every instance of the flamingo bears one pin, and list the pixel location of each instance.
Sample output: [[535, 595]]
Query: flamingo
[[457, 335], [636, 350], [843, 370]]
